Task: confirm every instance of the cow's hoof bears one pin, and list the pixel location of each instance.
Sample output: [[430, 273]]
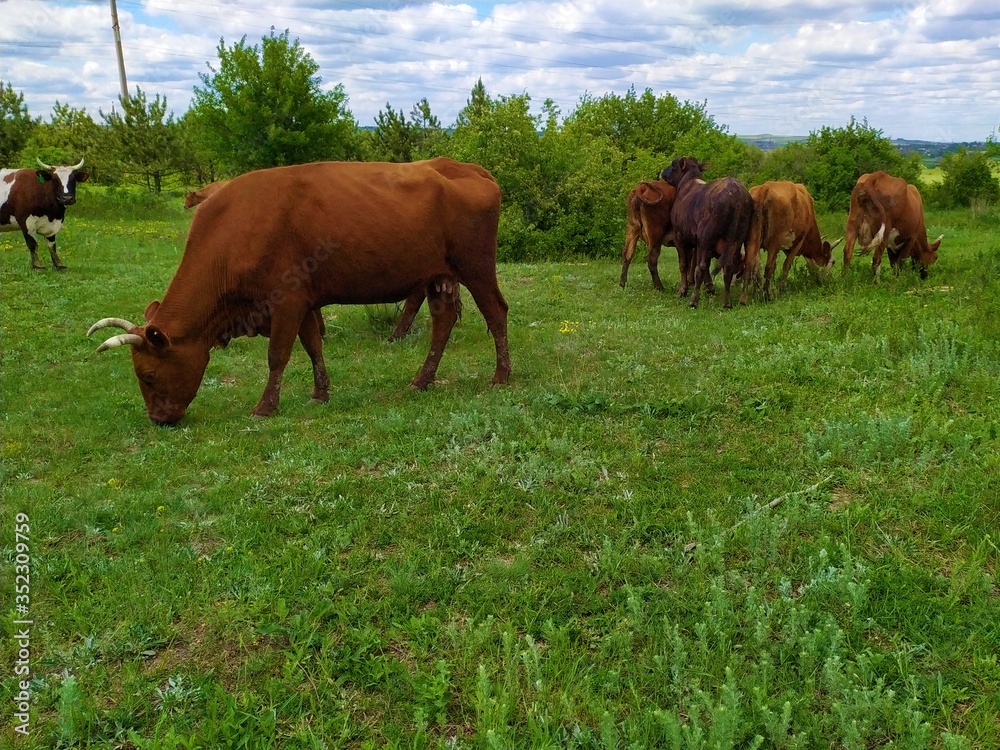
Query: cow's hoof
[[262, 412], [60, 268], [418, 385], [39, 267]]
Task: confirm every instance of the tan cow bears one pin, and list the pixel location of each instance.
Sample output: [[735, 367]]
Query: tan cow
[[888, 214], [648, 209], [194, 197], [279, 243], [788, 222]]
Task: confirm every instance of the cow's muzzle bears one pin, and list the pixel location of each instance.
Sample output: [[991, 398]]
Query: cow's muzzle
[[67, 200]]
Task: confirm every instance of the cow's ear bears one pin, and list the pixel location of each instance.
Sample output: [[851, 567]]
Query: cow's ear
[[151, 309], [44, 175], [82, 176], [157, 338]]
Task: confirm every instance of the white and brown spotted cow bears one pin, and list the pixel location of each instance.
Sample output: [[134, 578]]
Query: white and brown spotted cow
[[34, 201]]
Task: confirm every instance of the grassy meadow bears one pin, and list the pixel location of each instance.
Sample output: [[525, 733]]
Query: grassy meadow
[[582, 559]]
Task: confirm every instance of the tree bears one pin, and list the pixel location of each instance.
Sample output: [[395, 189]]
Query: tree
[[839, 156], [430, 138], [143, 140], [393, 138], [16, 125], [967, 178], [263, 107], [71, 135]]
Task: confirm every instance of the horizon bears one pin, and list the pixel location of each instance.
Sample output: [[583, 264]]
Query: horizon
[[799, 66]]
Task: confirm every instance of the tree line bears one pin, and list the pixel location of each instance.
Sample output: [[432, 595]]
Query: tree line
[[564, 176]]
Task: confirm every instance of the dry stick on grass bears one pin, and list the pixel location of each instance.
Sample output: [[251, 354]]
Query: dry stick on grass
[[773, 504]]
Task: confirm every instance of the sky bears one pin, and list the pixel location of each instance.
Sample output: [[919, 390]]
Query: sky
[[917, 70]]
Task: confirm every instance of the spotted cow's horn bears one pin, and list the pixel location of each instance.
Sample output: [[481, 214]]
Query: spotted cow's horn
[[77, 166], [132, 339], [44, 165], [112, 323]]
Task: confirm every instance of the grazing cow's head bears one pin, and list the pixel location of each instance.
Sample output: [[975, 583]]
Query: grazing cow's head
[[825, 259], [169, 373], [683, 168], [63, 179], [930, 255]]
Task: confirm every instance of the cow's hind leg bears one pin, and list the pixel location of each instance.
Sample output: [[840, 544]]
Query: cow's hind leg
[[489, 300], [311, 336], [631, 238], [442, 300], [284, 328], [56, 261], [413, 303], [653, 263]]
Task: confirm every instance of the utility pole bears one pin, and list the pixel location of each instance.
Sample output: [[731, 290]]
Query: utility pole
[[118, 49]]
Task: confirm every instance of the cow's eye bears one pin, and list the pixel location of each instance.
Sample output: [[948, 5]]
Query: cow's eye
[[148, 378]]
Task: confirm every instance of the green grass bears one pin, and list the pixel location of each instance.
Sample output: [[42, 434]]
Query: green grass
[[507, 567]]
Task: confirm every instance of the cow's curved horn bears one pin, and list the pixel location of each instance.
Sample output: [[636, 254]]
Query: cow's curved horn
[[941, 237], [836, 243], [132, 339], [77, 166], [44, 165], [112, 323]]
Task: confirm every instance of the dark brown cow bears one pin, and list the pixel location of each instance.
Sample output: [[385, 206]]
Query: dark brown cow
[[279, 243], [788, 222], [194, 197], [888, 214], [648, 209], [710, 220], [34, 201]]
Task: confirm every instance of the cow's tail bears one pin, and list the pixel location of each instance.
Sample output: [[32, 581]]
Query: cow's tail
[[755, 238], [871, 206]]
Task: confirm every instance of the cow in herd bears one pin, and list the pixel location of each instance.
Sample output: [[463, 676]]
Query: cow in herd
[[710, 220], [887, 213], [34, 201], [278, 244], [788, 222], [648, 217]]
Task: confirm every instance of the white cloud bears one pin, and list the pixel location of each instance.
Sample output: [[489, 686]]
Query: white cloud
[[915, 70]]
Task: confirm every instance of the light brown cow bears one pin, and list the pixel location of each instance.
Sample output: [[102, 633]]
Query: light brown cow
[[888, 214], [194, 197], [788, 222], [648, 209], [279, 243]]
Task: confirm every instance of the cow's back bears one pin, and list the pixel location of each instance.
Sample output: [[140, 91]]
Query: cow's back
[[356, 232]]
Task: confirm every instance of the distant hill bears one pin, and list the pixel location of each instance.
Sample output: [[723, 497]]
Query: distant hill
[[931, 151]]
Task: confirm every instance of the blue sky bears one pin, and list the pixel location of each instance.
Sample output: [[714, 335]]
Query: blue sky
[[927, 70]]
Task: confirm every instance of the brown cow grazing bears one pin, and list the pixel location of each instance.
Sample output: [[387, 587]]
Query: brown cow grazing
[[788, 222], [413, 302], [710, 220], [279, 243], [34, 201], [194, 197], [648, 218], [888, 214]]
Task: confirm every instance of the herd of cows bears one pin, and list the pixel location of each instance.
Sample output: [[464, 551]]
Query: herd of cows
[[268, 249], [723, 220]]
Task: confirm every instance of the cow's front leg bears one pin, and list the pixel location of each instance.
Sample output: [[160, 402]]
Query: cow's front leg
[[311, 336], [284, 328], [32, 244], [877, 261], [56, 261]]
